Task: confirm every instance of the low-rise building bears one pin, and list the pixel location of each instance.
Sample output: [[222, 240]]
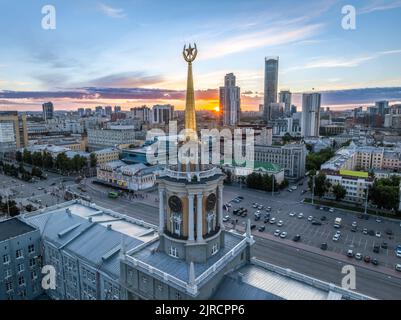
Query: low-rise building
[[129, 177], [239, 172], [114, 136], [107, 155], [20, 264]]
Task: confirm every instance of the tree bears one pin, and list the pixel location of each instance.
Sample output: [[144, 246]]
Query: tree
[[228, 180], [385, 193], [18, 156], [315, 160], [37, 159], [321, 184], [93, 160], [27, 156], [62, 162], [36, 172], [339, 192], [47, 160]]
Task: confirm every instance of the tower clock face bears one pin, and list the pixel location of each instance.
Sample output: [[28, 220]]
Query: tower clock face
[[211, 202], [175, 204]]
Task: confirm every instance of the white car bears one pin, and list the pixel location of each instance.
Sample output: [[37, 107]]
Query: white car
[[338, 232], [280, 223], [277, 233], [336, 237], [398, 267], [378, 234], [300, 216], [358, 256], [283, 235], [354, 224], [272, 220], [292, 213], [331, 210], [310, 218], [226, 218], [378, 220]]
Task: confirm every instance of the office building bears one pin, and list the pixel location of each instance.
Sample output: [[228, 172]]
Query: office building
[[108, 110], [111, 137], [81, 112], [162, 114], [48, 111], [291, 157], [382, 107], [271, 84], [230, 101], [117, 109], [142, 113], [310, 114], [285, 97], [20, 264], [13, 131], [99, 110]]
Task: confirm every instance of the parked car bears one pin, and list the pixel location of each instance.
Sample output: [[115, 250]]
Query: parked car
[[350, 253], [300, 216], [375, 262], [323, 246], [283, 235], [310, 218], [398, 251], [262, 228], [336, 237], [292, 213], [389, 232], [354, 229], [266, 220], [277, 233], [323, 218], [367, 259], [280, 223], [354, 224], [371, 233], [296, 238], [226, 218], [378, 234], [358, 256], [331, 210], [316, 223], [365, 231], [272, 220], [376, 248], [384, 245], [378, 220], [253, 226], [398, 267]]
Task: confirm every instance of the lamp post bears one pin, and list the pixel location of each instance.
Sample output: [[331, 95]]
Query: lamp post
[[313, 189]]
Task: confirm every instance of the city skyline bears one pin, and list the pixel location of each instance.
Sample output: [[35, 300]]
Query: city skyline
[[123, 60]]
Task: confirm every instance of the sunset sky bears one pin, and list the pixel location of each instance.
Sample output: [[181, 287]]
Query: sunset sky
[[128, 53]]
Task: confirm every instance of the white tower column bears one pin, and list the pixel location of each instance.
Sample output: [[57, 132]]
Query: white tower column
[[161, 210], [220, 207], [191, 217], [199, 222]]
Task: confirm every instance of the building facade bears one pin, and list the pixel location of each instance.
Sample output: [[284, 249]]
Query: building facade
[[21, 261], [13, 131], [310, 114], [230, 101], [291, 157], [48, 111], [114, 136], [271, 84], [162, 114]]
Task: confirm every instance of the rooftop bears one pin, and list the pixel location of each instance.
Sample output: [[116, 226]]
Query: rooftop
[[12, 228]]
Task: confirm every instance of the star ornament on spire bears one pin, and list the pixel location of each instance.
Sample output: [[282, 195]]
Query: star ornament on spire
[[190, 53]]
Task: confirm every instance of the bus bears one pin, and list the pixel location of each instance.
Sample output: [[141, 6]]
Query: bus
[[113, 195]]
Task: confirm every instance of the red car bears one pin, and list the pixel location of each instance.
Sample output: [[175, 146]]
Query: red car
[[367, 259]]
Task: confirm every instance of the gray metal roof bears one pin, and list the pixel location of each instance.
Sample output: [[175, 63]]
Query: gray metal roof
[[12, 228], [255, 279], [177, 267]]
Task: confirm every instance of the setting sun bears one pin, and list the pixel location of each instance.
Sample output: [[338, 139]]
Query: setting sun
[[217, 109]]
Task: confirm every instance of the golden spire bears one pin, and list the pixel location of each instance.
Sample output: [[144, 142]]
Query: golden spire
[[190, 119]]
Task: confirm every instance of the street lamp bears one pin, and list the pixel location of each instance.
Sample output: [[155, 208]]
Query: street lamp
[[366, 200], [313, 189], [272, 184]]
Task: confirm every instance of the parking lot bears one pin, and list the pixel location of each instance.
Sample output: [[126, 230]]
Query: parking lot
[[314, 235]]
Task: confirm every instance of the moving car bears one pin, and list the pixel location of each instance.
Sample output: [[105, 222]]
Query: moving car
[[296, 238]]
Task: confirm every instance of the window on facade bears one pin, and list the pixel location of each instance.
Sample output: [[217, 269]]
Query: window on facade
[[176, 221], [32, 262], [20, 267], [34, 276], [210, 221], [173, 252], [19, 254], [7, 273], [23, 293], [144, 279], [215, 248], [6, 259], [159, 287], [21, 280], [31, 248], [177, 296], [9, 286]]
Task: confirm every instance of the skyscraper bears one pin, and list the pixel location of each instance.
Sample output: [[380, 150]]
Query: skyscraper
[[162, 113], [285, 97], [271, 84], [230, 101], [48, 110], [310, 114], [382, 107]]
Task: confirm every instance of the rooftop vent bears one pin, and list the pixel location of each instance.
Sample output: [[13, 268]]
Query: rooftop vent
[[109, 227], [68, 211]]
